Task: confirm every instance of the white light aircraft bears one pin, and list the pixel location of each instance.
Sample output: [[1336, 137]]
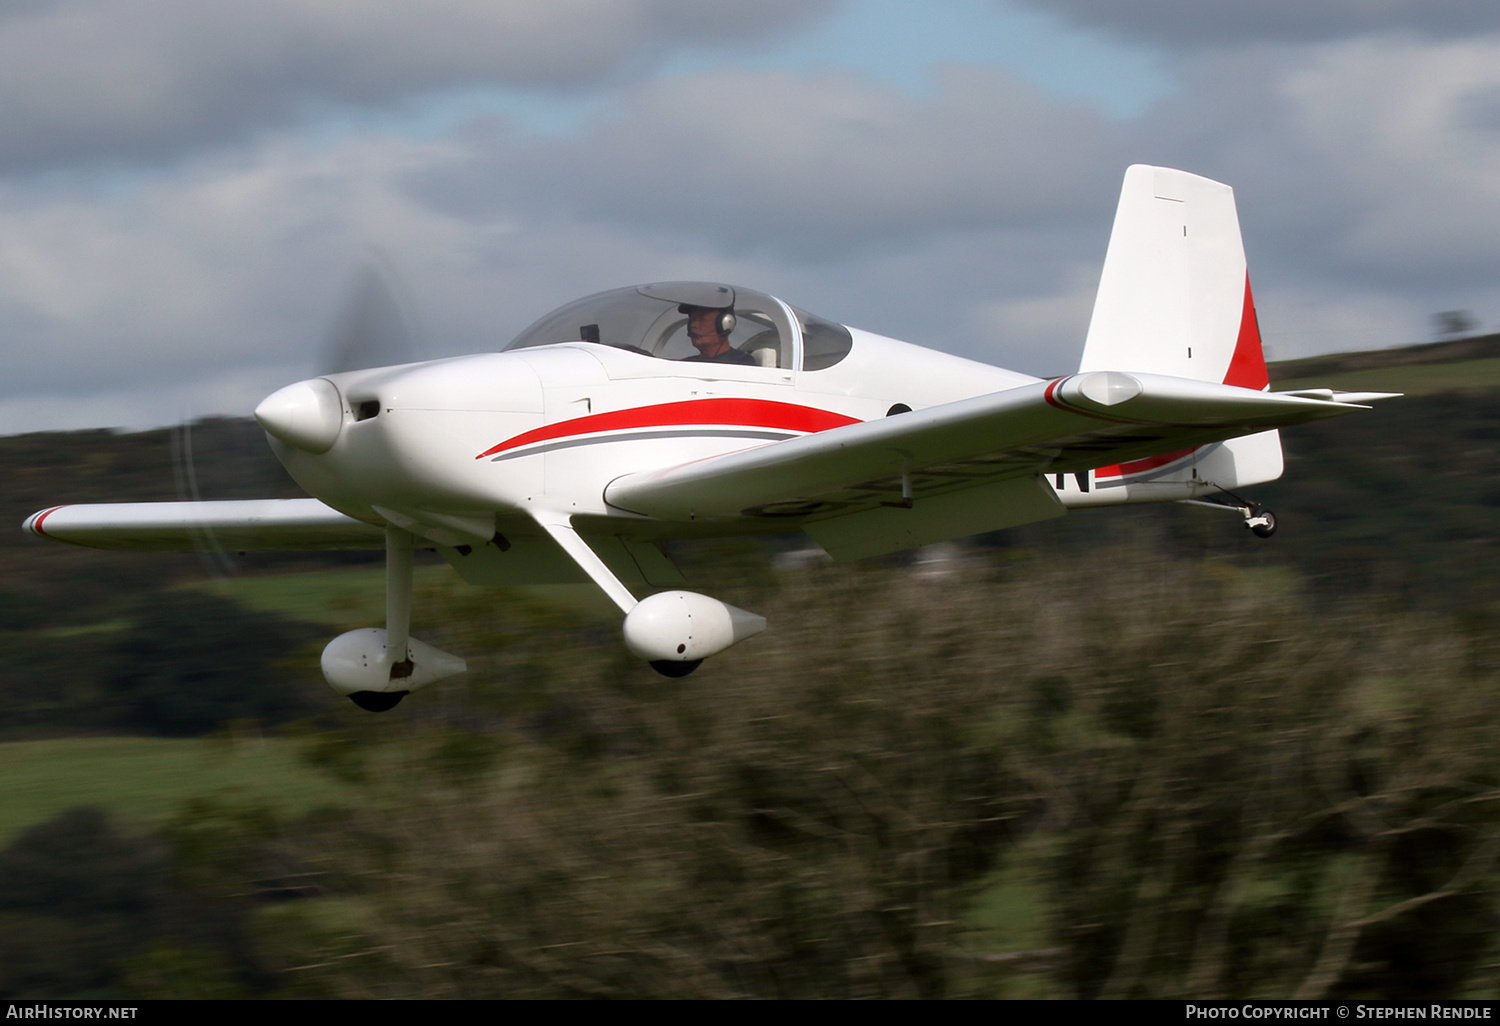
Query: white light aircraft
[[677, 410]]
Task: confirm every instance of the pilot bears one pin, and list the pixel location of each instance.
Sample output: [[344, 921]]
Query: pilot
[[708, 329]]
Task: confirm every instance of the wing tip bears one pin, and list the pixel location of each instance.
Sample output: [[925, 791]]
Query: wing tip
[[33, 524]]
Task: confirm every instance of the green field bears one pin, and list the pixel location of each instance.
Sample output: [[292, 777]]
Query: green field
[[1411, 379], [356, 597], [338, 597], [148, 778]]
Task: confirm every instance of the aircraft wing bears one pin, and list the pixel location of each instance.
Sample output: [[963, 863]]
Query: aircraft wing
[[231, 525], [963, 467]]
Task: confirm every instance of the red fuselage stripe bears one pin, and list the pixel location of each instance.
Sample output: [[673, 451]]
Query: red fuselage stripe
[[1140, 466], [762, 413]]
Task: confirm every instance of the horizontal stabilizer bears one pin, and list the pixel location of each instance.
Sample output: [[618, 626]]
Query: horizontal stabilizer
[[1338, 396]]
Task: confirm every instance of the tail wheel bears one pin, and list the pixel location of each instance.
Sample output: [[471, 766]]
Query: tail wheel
[[1267, 527]]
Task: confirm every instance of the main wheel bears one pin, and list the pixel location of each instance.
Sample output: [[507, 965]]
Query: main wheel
[[672, 668], [1268, 528], [378, 701]]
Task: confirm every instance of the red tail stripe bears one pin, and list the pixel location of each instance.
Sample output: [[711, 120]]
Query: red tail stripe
[[1247, 368]]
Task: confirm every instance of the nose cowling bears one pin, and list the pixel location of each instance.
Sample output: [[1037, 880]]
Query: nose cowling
[[306, 416]]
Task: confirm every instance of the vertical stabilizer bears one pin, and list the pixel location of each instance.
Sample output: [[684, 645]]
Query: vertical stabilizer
[[1175, 296], [1175, 299]]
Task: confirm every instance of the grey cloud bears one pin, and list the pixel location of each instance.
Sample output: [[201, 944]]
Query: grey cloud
[[808, 168], [1365, 174], [140, 80], [1365, 169], [972, 218], [1195, 23], [1480, 109]]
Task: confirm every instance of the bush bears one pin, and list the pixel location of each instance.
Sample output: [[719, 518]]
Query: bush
[[1192, 782], [193, 662]]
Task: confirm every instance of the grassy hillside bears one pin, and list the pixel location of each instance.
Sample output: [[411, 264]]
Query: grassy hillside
[[1463, 365], [1410, 379], [344, 598], [1464, 350]]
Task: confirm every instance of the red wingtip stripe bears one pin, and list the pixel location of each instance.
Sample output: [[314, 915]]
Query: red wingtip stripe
[[35, 527], [1247, 368]]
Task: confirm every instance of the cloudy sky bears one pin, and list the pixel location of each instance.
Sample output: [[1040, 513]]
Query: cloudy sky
[[187, 187]]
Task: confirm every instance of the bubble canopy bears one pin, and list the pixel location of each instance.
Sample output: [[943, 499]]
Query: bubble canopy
[[652, 320]]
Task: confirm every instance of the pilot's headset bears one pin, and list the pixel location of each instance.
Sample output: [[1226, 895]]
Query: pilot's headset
[[723, 324]]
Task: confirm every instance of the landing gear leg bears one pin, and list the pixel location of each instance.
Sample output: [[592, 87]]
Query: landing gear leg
[[399, 557], [376, 667]]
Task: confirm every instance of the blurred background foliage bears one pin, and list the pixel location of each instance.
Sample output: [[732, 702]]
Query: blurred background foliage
[[1133, 753]]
